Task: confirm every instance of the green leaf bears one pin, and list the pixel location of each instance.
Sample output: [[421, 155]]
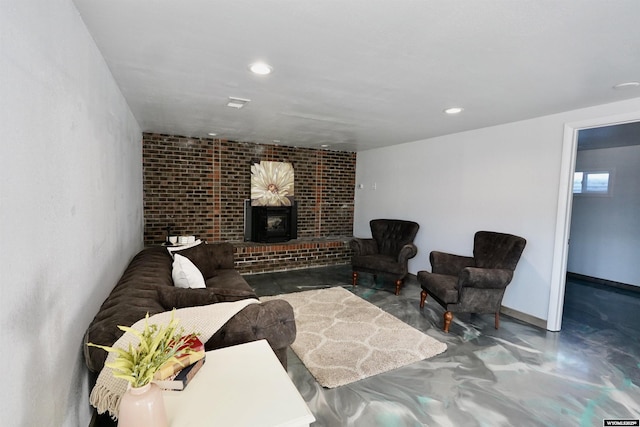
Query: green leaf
[[156, 346]]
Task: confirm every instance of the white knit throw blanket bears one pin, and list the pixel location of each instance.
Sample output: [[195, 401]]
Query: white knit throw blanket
[[204, 320]]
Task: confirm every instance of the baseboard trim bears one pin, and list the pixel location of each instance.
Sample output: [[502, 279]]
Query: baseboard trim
[[527, 318], [619, 285]]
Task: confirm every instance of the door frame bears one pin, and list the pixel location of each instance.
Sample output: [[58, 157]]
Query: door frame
[[565, 201]]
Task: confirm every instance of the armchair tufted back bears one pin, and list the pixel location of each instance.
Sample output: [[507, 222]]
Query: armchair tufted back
[[392, 234], [497, 250]]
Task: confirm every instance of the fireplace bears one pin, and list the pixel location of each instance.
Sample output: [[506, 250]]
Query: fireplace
[[270, 224]]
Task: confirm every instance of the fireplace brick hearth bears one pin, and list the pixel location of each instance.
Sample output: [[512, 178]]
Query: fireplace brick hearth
[[296, 254]]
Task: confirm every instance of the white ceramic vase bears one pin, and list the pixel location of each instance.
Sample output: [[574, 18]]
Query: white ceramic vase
[[142, 407]]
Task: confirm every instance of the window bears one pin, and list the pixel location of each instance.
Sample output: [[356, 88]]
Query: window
[[594, 183]]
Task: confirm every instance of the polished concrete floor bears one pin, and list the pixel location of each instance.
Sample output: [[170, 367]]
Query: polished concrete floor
[[519, 375]]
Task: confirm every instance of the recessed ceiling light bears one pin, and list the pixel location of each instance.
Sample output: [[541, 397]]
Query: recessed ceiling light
[[212, 134], [276, 141], [261, 68], [325, 145], [454, 110], [237, 102], [626, 85]]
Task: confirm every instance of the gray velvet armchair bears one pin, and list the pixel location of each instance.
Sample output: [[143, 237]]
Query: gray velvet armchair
[[473, 284], [388, 250]]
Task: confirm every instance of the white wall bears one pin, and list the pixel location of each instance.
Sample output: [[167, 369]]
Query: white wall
[[70, 206], [605, 231], [503, 178]]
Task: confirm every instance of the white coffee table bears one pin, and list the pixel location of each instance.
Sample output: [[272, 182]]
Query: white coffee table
[[243, 385]]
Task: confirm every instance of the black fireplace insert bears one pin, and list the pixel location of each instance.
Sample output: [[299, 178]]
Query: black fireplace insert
[[270, 224]]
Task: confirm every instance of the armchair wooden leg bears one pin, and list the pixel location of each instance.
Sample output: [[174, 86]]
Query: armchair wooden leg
[[423, 298], [398, 286], [497, 320], [448, 316], [354, 279]]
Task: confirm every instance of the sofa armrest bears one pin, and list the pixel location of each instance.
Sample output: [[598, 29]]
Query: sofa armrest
[[407, 252], [449, 264], [271, 320], [484, 278], [363, 246]]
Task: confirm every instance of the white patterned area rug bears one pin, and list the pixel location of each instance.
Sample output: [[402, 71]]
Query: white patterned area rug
[[342, 338]]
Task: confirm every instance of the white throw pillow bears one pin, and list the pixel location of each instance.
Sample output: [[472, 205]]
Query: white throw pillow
[[173, 249], [185, 274]]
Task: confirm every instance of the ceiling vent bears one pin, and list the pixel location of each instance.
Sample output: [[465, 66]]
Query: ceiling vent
[[237, 102]]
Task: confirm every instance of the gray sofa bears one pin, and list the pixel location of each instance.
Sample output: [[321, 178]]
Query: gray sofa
[[147, 286]]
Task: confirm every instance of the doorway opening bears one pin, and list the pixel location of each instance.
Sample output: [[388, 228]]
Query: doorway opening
[[565, 205]]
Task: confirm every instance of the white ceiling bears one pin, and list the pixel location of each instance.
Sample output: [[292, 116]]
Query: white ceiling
[[361, 74]]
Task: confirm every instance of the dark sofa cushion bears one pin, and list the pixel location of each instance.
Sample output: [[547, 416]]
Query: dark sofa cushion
[[229, 286], [378, 263], [171, 297], [210, 258], [199, 256], [391, 235], [497, 250]]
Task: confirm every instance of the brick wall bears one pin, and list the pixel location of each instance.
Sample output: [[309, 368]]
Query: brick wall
[[198, 186], [178, 178]]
